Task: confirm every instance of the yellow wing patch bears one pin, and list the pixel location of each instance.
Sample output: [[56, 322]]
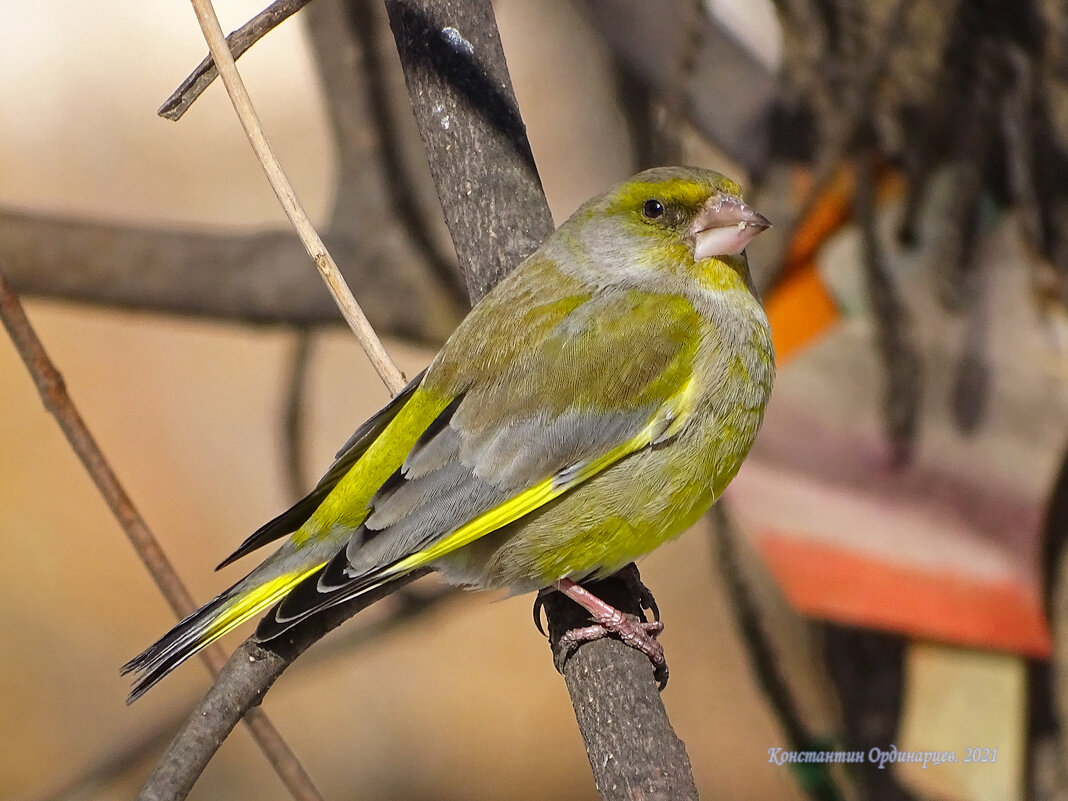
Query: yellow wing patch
[[347, 505]]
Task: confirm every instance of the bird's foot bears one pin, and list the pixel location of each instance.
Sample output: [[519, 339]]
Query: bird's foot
[[633, 579], [637, 633], [629, 575]]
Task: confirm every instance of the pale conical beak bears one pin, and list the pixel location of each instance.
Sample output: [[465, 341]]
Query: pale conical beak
[[724, 226]]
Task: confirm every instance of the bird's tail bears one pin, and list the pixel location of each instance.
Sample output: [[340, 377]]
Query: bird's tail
[[229, 610]]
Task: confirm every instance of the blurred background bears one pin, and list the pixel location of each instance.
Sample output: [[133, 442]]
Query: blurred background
[[884, 571]]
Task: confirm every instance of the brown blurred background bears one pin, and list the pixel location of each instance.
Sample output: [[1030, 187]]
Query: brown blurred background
[[464, 701]]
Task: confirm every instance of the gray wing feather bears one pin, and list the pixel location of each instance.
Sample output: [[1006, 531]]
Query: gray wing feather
[[457, 475]]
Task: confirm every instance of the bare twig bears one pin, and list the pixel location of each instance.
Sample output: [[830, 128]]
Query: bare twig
[[239, 42], [283, 190], [54, 394], [1016, 130]]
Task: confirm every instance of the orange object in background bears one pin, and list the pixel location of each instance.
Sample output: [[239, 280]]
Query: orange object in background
[[801, 308], [799, 311]]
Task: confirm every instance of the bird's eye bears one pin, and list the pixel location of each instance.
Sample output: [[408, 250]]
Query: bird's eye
[[652, 209]]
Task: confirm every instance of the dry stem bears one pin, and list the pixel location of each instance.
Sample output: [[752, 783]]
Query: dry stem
[[246, 113]]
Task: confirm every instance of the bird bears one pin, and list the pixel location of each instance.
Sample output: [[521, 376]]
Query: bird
[[589, 408]]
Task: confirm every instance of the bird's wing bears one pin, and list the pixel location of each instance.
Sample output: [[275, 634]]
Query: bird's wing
[[565, 394], [294, 517]]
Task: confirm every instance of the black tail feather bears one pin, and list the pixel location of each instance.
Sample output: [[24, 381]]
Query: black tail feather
[[173, 648]]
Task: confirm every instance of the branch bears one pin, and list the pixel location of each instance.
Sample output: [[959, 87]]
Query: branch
[[408, 605], [633, 750], [53, 392], [385, 228], [779, 660], [239, 277], [491, 194], [721, 88], [239, 42], [365, 102], [294, 423], [474, 137], [902, 367]]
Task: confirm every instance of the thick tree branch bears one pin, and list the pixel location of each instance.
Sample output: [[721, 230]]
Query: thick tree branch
[[241, 277], [364, 93], [474, 137], [489, 188], [633, 750]]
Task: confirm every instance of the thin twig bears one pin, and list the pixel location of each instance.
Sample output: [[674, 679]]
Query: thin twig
[[53, 392], [239, 42], [235, 87]]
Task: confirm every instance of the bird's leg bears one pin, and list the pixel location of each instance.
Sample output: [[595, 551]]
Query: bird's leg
[[638, 634]]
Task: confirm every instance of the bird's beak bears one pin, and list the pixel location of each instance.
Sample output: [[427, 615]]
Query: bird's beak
[[724, 226]]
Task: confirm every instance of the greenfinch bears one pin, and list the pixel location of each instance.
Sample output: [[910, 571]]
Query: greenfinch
[[589, 408]]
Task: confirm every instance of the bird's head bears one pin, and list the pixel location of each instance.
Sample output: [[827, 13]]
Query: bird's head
[[682, 221]]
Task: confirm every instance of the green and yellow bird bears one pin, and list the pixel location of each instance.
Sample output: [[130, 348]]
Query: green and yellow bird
[[589, 408]]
